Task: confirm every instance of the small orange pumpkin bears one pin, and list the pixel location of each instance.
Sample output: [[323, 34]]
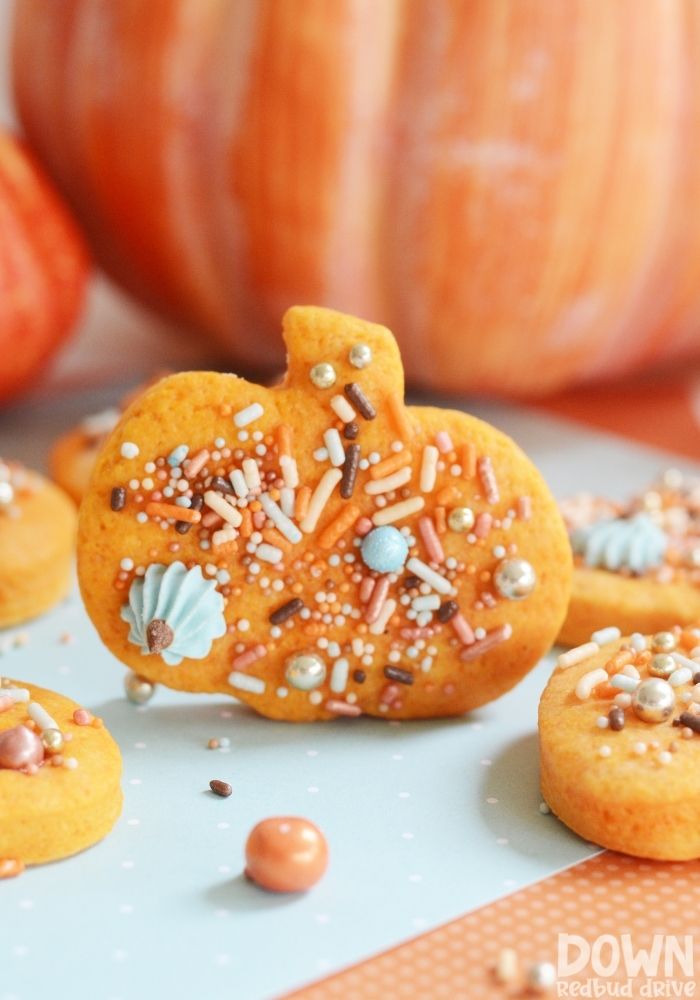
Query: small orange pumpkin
[[512, 187]]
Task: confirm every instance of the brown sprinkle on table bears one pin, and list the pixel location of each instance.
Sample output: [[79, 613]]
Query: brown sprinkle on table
[[221, 788]]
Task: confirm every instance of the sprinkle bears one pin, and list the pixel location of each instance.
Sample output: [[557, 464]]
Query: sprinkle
[[269, 553], [392, 482], [683, 661], [398, 675], [117, 498], [393, 463], [195, 465], [339, 675], [339, 707], [129, 450], [468, 456], [624, 683], [638, 641], [248, 415], [222, 507], [279, 519], [433, 546], [690, 720], [350, 466], [221, 788], [11, 867], [273, 536], [342, 409], [283, 438], [251, 473], [591, 680], [399, 416], [366, 591], [301, 503], [463, 629], [219, 484], [493, 637], [389, 694], [16, 694], [444, 442], [334, 446], [248, 657], [426, 602], [488, 479], [41, 716], [81, 717], [196, 504], [447, 611], [245, 682], [154, 509], [429, 576], [604, 751], [616, 719], [377, 628], [606, 635], [523, 506], [320, 497], [483, 524], [290, 473], [178, 455], [398, 511], [428, 470], [356, 395], [440, 520], [377, 599], [351, 430], [681, 676], [330, 535], [577, 655]]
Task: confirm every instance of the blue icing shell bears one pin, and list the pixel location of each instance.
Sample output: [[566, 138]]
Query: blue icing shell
[[637, 543], [175, 612]]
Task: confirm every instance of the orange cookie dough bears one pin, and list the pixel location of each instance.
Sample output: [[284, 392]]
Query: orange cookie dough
[[59, 777], [37, 539], [73, 455], [636, 563], [619, 727], [319, 549]]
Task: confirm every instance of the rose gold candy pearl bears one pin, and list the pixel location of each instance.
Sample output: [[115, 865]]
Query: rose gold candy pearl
[[20, 747], [286, 854]]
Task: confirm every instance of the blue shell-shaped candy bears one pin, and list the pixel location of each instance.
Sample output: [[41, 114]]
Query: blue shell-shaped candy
[[190, 606], [636, 544]]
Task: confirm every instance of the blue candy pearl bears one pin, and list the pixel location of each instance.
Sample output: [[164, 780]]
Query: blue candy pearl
[[384, 549]]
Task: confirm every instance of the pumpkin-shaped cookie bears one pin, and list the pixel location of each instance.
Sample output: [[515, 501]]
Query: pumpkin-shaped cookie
[[318, 549]]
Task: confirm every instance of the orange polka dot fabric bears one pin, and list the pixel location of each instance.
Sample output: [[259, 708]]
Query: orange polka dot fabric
[[615, 905]]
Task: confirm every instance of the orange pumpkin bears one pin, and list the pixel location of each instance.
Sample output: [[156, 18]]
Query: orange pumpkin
[[43, 268], [513, 187]]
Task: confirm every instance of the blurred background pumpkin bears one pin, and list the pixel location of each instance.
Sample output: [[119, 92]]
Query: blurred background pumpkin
[[513, 187], [43, 268]]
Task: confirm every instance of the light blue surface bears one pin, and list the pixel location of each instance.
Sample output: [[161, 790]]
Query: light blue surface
[[424, 820]]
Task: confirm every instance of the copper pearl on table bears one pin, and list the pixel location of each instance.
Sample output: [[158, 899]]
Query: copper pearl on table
[[286, 854], [20, 747]]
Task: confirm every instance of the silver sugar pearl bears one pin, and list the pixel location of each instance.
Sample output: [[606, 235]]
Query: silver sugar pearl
[[460, 519], [7, 494], [515, 579], [662, 665], [654, 700], [305, 671], [360, 355], [323, 375], [138, 689], [663, 642], [541, 977]]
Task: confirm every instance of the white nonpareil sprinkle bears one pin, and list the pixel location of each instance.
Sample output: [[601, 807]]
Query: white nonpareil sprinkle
[[339, 675], [248, 415], [16, 694], [589, 681], [638, 641], [433, 579], [246, 682], [428, 469], [604, 751], [605, 635], [251, 473], [623, 682], [342, 409], [290, 473], [681, 676], [388, 608], [238, 481], [429, 602], [577, 655], [393, 482], [319, 498], [683, 661], [41, 716], [223, 508], [129, 450], [268, 553]]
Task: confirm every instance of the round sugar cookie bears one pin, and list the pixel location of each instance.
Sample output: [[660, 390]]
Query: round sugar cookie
[[53, 802], [636, 563], [318, 549], [37, 541], [619, 733]]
